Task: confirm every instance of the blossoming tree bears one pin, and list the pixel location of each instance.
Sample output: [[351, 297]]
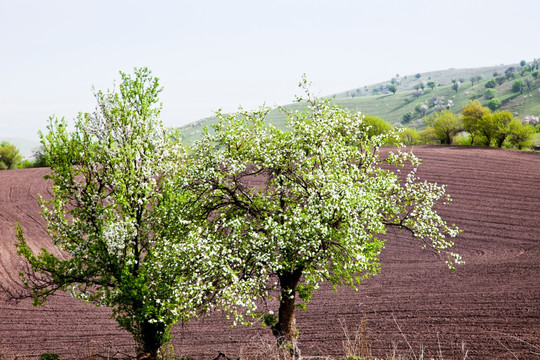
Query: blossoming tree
[[131, 237], [325, 199]]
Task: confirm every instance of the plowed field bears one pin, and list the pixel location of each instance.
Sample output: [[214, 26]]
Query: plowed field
[[487, 309]]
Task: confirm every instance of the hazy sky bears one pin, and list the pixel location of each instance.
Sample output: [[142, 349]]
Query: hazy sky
[[222, 54]]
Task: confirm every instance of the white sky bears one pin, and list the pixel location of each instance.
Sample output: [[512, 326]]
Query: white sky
[[221, 54]]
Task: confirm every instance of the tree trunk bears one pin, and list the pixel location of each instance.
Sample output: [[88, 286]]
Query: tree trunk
[[500, 141], [285, 329], [153, 336]]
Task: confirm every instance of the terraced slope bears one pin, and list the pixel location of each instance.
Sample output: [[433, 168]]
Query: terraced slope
[[488, 308]]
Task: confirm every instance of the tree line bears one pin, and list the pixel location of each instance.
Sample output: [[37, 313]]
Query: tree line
[[478, 126], [10, 157]]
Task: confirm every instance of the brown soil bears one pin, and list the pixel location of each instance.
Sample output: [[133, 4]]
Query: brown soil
[[488, 308]]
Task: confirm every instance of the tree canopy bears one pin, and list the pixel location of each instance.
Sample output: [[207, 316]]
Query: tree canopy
[[9, 155], [471, 115], [443, 126], [131, 232], [311, 204]]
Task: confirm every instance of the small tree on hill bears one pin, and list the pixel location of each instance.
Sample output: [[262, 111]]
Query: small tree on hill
[[407, 117], [491, 83], [431, 84], [490, 93], [455, 86], [528, 82], [421, 108], [510, 73], [494, 104], [322, 207], [518, 86], [392, 88]]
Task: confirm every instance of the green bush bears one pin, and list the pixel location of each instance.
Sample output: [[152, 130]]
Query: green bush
[[494, 104]]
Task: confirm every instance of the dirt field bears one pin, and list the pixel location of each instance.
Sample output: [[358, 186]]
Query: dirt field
[[488, 308]]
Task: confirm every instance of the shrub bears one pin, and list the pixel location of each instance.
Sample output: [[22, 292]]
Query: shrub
[[491, 84], [490, 93], [494, 104], [407, 117]]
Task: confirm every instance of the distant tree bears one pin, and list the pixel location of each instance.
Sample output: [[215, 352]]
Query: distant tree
[[495, 74], [392, 88], [520, 134], [535, 74], [531, 120], [524, 69], [479, 78], [494, 104], [431, 84], [509, 73], [455, 86], [471, 115], [454, 81], [407, 117], [41, 159], [500, 80], [491, 83], [421, 108], [472, 79], [439, 102], [495, 128], [418, 76], [490, 93], [378, 126], [408, 136], [528, 82], [444, 125], [422, 85], [518, 86], [9, 155], [393, 81], [522, 63], [417, 93]]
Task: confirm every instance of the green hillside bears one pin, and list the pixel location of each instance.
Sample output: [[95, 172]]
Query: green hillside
[[377, 100]]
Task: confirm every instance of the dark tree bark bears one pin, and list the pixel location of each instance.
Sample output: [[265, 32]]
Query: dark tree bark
[[285, 329]]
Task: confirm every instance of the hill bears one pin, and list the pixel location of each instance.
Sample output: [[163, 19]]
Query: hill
[[377, 100], [486, 309]]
